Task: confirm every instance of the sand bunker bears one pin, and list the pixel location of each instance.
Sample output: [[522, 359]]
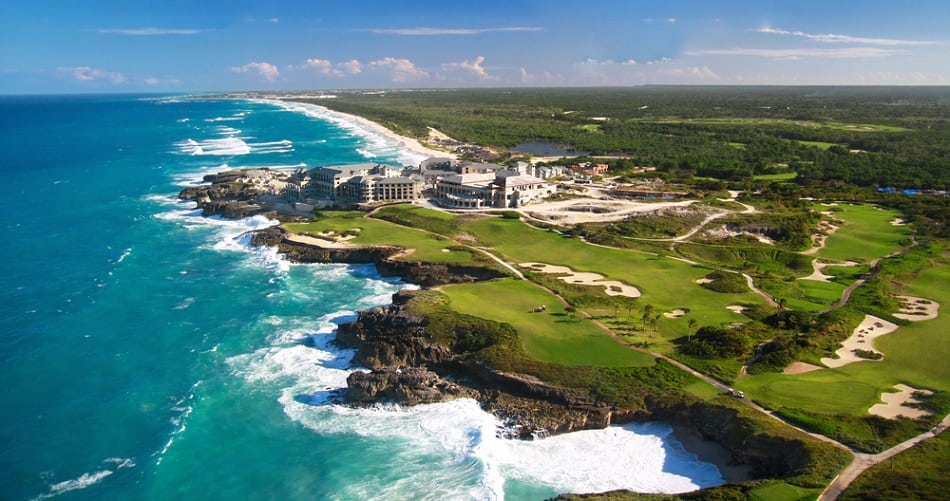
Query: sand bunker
[[826, 228], [675, 313], [612, 287], [736, 308], [862, 339], [898, 222], [895, 404], [917, 309], [800, 368], [702, 281], [818, 274]]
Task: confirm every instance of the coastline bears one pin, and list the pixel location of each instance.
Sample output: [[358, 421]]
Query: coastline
[[364, 124], [709, 451]]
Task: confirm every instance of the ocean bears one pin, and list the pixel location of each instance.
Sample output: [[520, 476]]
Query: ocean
[[151, 353]]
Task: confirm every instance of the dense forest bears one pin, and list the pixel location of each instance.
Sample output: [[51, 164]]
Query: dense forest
[[895, 137]]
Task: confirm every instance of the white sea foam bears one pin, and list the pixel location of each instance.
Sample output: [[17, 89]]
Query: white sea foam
[[80, 482], [228, 146], [450, 450]]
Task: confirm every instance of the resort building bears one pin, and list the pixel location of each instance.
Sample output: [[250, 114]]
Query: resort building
[[500, 189], [360, 183]]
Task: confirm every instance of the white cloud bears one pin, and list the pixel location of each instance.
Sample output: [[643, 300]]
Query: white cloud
[[792, 54], [450, 31], [831, 38], [608, 62], [702, 73], [353, 67], [87, 74], [473, 67], [321, 65], [399, 70], [671, 20], [150, 31], [266, 70], [327, 67]]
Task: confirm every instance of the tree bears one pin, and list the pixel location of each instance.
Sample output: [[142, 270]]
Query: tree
[[647, 314]]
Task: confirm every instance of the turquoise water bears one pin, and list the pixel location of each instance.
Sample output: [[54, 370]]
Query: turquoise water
[[149, 353]]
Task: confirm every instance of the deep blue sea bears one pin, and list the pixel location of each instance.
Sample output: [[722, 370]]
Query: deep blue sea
[[150, 353]]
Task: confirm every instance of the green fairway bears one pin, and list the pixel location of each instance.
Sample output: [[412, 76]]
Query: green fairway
[[916, 354], [784, 176], [821, 145], [427, 247], [553, 335], [867, 233], [665, 283]]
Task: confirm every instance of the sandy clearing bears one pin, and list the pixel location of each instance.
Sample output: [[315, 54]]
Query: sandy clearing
[[818, 274], [917, 309], [800, 368], [702, 281], [862, 339], [675, 313], [894, 404], [611, 287], [736, 308], [585, 210], [317, 242]]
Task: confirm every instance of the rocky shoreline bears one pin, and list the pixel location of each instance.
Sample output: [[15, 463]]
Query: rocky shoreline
[[408, 366]]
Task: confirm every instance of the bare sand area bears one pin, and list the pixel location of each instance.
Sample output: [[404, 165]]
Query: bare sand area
[[825, 228], [898, 222], [712, 452], [612, 287], [862, 339], [675, 313], [736, 308], [818, 274], [702, 281], [325, 243], [586, 210], [917, 309], [895, 404], [800, 368]]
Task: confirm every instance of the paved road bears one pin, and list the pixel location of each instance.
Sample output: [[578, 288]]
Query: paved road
[[864, 461]]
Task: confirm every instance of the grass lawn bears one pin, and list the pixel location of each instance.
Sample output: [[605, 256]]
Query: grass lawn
[[916, 354], [823, 294], [866, 234], [428, 247], [548, 336], [821, 145], [784, 176], [665, 283], [782, 491]]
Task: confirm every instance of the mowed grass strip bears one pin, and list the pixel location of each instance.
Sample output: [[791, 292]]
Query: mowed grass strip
[[426, 246], [866, 234], [553, 335]]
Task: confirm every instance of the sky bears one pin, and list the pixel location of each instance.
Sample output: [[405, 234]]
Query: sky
[[87, 46]]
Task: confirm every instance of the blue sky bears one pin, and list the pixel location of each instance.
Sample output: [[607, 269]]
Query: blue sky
[[162, 46]]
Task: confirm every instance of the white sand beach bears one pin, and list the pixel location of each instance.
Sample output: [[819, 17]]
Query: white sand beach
[[862, 339]]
